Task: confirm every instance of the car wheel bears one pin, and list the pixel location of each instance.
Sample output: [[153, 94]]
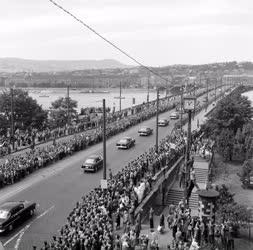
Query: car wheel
[[10, 227]]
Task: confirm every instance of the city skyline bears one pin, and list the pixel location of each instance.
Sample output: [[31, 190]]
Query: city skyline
[[156, 33]]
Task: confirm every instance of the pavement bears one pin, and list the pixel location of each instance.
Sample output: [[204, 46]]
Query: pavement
[[57, 188]]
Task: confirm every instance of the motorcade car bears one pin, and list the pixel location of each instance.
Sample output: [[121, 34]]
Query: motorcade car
[[12, 213], [145, 131], [174, 115], [163, 123], [92, 164], [125, 143]]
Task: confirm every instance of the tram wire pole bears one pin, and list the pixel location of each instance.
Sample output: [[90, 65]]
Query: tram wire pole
[[181, 108], [148, 92], [12, 121], [120, 96], [157, 116], [104, 140], [67, 105]]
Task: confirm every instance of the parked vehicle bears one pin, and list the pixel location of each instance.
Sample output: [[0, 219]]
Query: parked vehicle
[[163, 123], [13, 213], [125, 143], [92, 164], [145, 131]]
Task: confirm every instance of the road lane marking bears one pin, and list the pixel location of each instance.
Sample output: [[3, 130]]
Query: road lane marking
[[13, 237], [20, 233], [44, 213]]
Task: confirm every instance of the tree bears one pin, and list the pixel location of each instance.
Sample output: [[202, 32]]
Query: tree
[[228, 209], [59, 113], [26, 111], [225, 144], [4, 125], [231, 113]]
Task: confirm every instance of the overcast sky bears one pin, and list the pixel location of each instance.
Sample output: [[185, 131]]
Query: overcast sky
[[156, 32]]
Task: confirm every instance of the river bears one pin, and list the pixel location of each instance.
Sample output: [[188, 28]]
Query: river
[[46, 97]]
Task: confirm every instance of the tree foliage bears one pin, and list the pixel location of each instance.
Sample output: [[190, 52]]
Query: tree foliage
[[231, 127], [228, 209], [231, 113], [26, 111], [4, 124], [59, 113]]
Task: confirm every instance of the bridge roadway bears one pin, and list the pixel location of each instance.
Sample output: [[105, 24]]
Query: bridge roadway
[[58, 187]]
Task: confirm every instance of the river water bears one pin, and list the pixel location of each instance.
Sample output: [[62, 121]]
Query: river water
[[46, 97]]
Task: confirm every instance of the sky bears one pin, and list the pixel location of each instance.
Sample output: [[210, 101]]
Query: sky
[[157, 33]]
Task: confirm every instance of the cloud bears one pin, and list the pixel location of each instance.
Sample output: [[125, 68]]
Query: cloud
[[38, 29]]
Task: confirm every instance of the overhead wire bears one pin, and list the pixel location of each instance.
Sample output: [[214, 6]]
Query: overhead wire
[[106, 40]]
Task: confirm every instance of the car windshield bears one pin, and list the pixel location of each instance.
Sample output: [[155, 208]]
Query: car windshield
[[123, 141], [143, 129], [90, 161], [4, 214]]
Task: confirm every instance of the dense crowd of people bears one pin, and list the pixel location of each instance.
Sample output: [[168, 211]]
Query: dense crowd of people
[[196, 232], [16, 167], [92, 222], [31, 137]]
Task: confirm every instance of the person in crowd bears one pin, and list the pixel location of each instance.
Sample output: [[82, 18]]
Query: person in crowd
[[161, 224], [151, 219]]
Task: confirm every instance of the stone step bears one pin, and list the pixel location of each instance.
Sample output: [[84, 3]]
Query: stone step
[[175, 196]]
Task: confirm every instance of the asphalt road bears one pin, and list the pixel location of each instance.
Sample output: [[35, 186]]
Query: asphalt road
[[57, 188]]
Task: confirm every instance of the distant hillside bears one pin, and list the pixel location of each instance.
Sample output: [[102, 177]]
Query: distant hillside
[[19, 65]]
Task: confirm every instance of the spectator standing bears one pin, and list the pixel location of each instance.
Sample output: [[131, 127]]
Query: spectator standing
[[151, 219]]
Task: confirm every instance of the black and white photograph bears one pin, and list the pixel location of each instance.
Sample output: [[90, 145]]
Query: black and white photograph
[[126, 125]]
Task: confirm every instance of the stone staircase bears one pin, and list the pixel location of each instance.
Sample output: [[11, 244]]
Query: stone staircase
[[201, 175], [175, 196]]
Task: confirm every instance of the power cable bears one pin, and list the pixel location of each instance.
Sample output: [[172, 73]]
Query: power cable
[[105, 39]]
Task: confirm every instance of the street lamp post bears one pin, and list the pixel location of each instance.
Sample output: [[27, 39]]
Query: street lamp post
[[207, 83], [189, 105], [120, 96], [157, 116], [68, 105], [181, 107], [148, 92], [12, 120], [104, 140], [215, 89]]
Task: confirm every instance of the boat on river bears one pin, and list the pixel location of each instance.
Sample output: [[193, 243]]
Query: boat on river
[[92, 91]]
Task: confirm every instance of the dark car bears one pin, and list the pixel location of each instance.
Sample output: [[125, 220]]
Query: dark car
[[12, 213], [92, 163], [145, 131], [174, 115], [163, 123], [125, 143]]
